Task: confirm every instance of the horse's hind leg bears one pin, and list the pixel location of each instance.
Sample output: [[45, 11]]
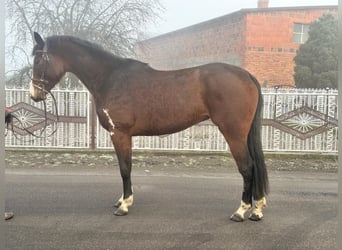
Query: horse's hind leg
[[240, 153], [123, 147], [239, 150]]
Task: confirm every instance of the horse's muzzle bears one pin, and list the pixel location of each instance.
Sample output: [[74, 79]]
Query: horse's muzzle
[[37, 93]]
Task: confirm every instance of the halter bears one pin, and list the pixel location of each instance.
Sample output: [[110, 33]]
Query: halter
[[40, 83]]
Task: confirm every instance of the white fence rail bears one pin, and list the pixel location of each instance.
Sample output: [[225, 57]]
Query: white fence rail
[[294, 120]]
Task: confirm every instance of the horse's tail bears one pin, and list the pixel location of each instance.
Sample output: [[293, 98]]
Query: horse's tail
[[260, 177]]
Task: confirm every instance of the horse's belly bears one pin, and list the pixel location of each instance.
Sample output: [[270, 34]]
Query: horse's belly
[[169, 125]]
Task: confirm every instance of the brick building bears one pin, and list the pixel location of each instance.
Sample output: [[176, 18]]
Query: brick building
[[262, 40]]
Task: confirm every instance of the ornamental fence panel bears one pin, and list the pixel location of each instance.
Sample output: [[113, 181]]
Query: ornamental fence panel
[[71, 131], [294, 120], [300, 120]]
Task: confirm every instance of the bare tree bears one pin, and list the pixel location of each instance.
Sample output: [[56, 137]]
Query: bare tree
[[114, 24]]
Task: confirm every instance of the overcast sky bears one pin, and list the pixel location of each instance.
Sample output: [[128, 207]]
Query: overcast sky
[[182, 13], [178, 14]]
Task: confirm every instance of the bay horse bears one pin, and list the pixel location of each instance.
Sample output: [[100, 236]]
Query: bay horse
[[133, 99]]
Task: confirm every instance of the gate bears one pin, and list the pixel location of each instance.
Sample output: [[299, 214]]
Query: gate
[[303, 120], [73, 128], [294, 120]]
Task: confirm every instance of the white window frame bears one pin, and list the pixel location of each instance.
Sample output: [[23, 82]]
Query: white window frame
[[303, 36]]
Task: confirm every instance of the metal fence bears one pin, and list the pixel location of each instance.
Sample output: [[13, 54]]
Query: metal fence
[[303, 120], [294, 120]]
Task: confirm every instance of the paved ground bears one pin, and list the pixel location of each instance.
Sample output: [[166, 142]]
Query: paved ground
[[61, 201]]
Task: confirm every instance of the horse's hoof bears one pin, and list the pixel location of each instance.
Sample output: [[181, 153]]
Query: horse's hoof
[[254, 217], [236, 218], [9, 215], [117, 204], [120, 212]]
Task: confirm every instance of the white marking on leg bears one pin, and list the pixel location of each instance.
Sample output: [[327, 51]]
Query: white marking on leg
[[125, 203], [259, 205], [121, 199], [110, 121], [242, 210]]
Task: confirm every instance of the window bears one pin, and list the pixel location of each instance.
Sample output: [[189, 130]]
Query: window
[[300, 32]]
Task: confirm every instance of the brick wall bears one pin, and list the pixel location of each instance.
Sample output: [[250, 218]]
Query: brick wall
[[269, 47], [259, 40], [218, 40]]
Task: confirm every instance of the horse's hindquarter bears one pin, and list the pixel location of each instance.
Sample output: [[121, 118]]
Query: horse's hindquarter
[[228, 81], [231, 96]]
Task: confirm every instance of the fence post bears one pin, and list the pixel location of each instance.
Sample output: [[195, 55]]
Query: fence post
[[275, 103], [327, 105], [92, 123]]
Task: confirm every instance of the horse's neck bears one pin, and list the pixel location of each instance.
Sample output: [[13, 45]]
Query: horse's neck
[[90, 70]]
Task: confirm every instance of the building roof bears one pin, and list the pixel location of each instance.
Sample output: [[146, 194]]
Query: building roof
[[237, 13], [269, 9]]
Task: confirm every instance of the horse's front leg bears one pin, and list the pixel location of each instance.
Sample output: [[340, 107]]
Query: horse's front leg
[[123, 147]]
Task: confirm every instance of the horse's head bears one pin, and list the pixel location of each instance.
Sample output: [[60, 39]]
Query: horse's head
[[48, 69]]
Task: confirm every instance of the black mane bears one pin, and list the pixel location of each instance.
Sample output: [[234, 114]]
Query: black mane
[[96, 50]]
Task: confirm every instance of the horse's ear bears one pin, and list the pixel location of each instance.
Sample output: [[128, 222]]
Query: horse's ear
[[39, 40]]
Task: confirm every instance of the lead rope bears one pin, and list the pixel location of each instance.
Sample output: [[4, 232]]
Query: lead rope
[[10, 122]]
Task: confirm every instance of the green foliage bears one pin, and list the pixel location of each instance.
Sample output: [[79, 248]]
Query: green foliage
[[316, 60]]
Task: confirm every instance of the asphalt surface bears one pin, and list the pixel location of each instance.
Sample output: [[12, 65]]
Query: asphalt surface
[[72, 208]]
